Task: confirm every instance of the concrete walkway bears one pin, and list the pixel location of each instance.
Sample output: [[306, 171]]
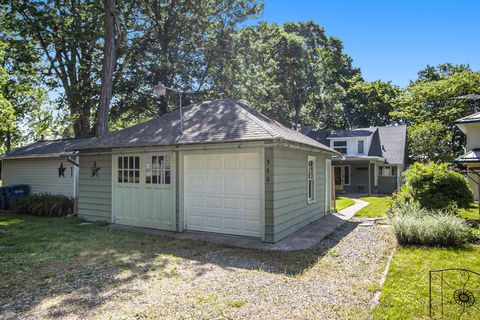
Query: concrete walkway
[[349, 212], [304, 239]]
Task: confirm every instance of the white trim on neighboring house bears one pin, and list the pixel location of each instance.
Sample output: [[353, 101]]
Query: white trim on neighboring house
[[313, 179], [328, 185], [352, 145], [349, 175]]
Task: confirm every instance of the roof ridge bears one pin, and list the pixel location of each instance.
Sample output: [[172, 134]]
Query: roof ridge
[[250, 113]]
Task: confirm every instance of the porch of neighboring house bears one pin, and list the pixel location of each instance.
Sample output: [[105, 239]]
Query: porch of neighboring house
[[365, 177]]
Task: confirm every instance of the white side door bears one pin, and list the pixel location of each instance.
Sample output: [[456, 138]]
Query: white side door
[[144, 190]]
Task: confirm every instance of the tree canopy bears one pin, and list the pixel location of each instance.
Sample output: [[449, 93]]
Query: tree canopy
[[75, 68]]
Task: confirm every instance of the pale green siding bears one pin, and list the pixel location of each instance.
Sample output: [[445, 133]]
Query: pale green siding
[[95, 193], [41, 174], [290, 207], [359, 177], [387, 184]]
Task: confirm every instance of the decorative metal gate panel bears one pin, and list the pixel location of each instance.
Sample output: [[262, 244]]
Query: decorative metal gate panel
[[454, 294]]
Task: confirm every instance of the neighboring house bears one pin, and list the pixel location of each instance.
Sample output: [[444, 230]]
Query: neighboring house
[[374, 158], [470, 125], [45, 166], [232, 171]]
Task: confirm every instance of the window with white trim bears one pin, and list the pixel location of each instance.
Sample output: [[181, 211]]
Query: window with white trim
[[340, 146], [387, 171], [311, 177], [128, 169], [158, 169], [361, 147]]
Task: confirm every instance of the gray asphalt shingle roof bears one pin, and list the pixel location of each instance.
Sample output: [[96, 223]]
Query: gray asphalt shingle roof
[[470, 118], [46, 148], [207, 122], [471, 156], [389, 142], [393, 143]]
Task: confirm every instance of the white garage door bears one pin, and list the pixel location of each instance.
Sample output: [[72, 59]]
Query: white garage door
[[223, 193]]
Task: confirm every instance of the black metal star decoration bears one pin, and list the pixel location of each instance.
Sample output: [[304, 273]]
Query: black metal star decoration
[[95, 170], [61, 170]]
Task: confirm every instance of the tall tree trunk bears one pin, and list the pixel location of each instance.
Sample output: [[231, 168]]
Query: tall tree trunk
[[109, 62], [9, 141]]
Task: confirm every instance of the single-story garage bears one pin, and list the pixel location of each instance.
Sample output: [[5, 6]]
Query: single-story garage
[[46, 166], [232, 170]]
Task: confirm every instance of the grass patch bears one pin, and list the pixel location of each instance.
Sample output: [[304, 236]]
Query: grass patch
[[377, 207], [343, 202], [471, 213], [236, 304], [405, 294]]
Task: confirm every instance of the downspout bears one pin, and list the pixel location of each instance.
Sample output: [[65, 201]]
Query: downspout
[[74, 159]]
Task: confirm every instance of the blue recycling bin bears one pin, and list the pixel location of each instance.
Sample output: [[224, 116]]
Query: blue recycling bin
[[13, 192]]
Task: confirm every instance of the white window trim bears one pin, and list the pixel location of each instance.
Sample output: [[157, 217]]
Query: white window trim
[[349, 175], [382, 168], [364, 147], [314, 179]]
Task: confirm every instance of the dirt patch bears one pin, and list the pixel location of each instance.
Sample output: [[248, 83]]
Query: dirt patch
[[185, 280]]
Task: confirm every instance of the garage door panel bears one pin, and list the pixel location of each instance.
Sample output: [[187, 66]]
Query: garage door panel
[[231, 163], [213, 163], [230, 200], [212, 182]]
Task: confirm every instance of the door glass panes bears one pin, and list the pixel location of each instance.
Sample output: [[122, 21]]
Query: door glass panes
[[159, 172], [128, 169]]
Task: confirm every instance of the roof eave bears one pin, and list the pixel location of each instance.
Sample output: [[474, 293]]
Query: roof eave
[[36, 156]]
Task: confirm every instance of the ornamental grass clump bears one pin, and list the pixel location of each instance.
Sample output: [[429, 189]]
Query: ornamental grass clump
[[415, 225], [45, 205]]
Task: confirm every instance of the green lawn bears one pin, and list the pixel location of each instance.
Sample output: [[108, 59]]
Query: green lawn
[[470, 213], [405, 294], [376, 208], [343, 202]]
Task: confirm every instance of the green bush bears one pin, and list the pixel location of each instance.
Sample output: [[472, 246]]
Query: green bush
[[434, 186], [46, 205], [416, 225]]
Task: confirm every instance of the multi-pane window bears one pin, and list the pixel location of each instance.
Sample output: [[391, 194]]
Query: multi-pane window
[[387, 171], [340, 146], [361, 147], [311, 172], [158, 170], [129, 169]]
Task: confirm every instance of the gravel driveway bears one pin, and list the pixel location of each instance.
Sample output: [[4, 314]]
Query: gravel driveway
[[185, 280]]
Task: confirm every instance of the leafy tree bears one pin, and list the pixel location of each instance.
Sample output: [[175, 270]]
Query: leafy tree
[[430, 141], [67, 34], [293, 73], [7, 112], [182, 44], [431, 98], [370, 103], [21, 95]]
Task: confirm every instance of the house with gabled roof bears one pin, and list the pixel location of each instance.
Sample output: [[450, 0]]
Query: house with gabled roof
[[231, 170], [46, 166], [470, 126], [373, 158]]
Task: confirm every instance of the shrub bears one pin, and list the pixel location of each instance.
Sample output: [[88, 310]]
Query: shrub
[[416, 225], [434, 186], [46, 205]]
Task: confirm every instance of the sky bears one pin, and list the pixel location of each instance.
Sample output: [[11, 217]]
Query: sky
[[392, 40]]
